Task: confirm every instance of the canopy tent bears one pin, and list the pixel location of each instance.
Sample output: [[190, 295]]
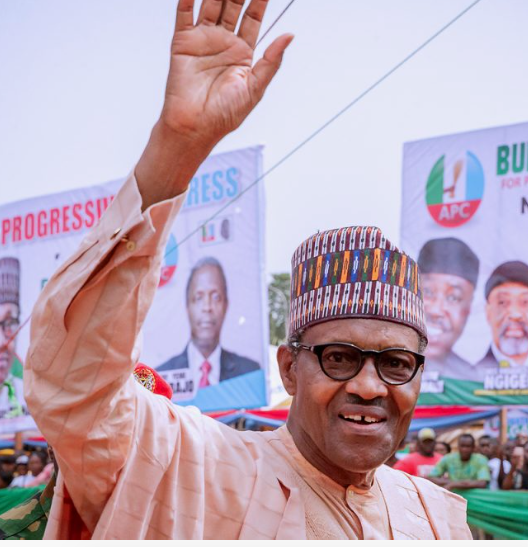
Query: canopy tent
[[439, 417]]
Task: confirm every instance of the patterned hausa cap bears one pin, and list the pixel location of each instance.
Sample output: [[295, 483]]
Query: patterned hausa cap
[[152, 381], [9, 280], [354, 272]]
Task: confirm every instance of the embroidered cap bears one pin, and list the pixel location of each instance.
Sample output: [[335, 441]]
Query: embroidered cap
[[151, 380], [9, 280], [354, 272]]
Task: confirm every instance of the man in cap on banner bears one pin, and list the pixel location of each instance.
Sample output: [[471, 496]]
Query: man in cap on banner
[[506, 294], [11, 391], [421, 462], [449, 272], [353, 362]]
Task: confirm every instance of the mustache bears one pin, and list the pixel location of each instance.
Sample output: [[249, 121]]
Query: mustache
[[377, 402], [514, 324], [436, 321]]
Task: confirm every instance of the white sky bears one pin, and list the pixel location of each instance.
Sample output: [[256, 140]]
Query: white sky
[[81, 84]]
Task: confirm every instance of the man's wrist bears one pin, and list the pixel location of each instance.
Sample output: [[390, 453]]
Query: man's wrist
[[168, 163]]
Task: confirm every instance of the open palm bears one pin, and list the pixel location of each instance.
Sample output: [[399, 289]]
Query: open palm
[[212, 85]]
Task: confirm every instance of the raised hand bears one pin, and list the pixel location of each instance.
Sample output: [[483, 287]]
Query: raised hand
[[212, 86]]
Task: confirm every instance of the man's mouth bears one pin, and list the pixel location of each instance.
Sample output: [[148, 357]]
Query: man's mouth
[[362, 420]]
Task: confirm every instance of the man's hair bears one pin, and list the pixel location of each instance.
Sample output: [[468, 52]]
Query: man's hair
[[484, 438], [42, 456], [467, 436], [202, 263], [447, 446]]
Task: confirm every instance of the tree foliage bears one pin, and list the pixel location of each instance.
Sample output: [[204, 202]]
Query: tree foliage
[[279, 305]]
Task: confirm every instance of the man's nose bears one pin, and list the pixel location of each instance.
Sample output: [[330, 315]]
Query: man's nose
[[367, 384], [515, 311], [435, 305]]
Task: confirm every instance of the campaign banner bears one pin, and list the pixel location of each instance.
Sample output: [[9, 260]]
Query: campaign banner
[[465, 220], [207, 330]]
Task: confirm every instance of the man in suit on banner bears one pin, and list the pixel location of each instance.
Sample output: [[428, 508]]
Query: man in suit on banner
[[206, 297], [449, 270], [507, 315]]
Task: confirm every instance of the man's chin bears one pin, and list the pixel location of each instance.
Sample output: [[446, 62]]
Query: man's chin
[[362, 461]]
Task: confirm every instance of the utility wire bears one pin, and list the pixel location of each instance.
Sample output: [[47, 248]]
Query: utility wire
[[317, 131], [332, 119], [274, 23]]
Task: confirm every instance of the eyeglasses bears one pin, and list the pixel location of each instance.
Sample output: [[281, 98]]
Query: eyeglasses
[[9, 325], [342, 361]]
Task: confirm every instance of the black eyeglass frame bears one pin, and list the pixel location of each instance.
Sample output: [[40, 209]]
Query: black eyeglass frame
[[318, 350]]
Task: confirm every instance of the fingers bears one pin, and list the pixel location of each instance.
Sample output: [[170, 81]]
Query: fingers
[[231, 13], [267, 67], [210, 12], [251, 22], [184, 15]]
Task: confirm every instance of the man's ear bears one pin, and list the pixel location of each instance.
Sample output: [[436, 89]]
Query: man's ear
[[287, 368]]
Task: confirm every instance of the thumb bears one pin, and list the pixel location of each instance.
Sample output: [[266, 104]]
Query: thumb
[[266, 68]]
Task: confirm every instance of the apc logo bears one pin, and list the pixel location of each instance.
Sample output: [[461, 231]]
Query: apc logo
[[454, 190], [170, 261]]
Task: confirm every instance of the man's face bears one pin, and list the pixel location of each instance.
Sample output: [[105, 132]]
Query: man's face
[[507, 315], [485, 448], [426, 447], [8, 312], [336, 446], [509, 445], [35, 465], [447, 300], [206, 306], [466, 447]]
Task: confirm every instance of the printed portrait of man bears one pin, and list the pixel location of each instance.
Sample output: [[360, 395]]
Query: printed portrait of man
[[506, 294], [207, 302], [11, 388], [449, 272]]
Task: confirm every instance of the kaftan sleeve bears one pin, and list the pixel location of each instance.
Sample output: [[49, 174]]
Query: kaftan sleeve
[[78, 375]]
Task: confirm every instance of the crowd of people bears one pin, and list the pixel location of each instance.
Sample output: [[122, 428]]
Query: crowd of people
[[485, 463], [24, 469]]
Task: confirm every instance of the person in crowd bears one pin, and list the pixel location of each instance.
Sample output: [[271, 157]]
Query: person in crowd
[[521, 439], [206, 298], [421, 462], [517, 477], [508, 448], [449, 271], [463, 469], [507, 315], [498, 465], [484, 446], [23, 476], [12, 401], [22, 464], [352, 364], [442, 448], [5, 479], [41, 471], [8, 461]]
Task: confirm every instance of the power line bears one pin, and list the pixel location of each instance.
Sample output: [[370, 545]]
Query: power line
[[321, 128], [333, 118], [274, 23]]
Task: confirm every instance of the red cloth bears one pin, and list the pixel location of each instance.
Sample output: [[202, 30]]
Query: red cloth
[[418, 465]]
